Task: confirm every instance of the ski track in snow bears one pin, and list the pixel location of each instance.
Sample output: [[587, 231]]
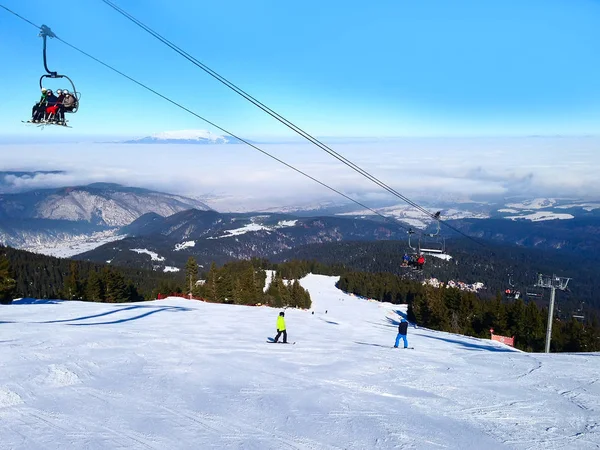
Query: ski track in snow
[[181, 374]]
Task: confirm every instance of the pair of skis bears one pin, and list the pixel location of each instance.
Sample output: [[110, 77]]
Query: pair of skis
[[43, 124]]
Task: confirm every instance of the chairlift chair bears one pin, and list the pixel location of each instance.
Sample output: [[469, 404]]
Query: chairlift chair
[[46, 32], [533, 292], [436, 245]]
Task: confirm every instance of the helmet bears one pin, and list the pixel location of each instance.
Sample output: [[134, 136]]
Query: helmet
[[59, 92], [65, 92], [49, 91], [44, 89], [282, 314]]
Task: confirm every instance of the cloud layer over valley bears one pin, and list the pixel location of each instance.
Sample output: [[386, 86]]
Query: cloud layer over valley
[[238, 176]]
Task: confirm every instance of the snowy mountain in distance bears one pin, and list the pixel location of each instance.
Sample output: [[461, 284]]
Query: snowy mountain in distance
[[197, 137], [409, 215], [105, 204], [534, 210], [170, 374]]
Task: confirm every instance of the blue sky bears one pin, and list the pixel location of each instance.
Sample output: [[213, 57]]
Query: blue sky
[[385, 68]]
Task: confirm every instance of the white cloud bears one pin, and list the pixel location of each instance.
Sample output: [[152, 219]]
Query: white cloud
[[239, 175]]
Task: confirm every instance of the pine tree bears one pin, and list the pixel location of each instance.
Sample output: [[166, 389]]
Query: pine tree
[[225, 286], [248, 292], [533, 330], [191, 273], [73, 289], [7, 283], [516, 320], [211, 283], [299, 297], [278, 292], [117, 290], [94, 288]]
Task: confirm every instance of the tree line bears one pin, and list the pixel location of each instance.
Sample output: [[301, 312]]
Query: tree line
[[26, 274], [243, 283], [470, 263], [463, 312]]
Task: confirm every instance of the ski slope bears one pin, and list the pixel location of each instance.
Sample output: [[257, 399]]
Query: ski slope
[[182, 374]]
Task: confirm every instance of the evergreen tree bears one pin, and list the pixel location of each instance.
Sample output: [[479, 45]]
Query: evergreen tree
[[211, 283], [73, 289], [516, 319], [278, 292], [7, 282], [191, 273], [248, 292], [117, 290], [94, 288]]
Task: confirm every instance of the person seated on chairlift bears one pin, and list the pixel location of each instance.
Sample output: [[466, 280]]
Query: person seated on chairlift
[[37, 112], [50, 103], [70, 102], [405, 260], [421, 261], [54, 108], [60, 112]]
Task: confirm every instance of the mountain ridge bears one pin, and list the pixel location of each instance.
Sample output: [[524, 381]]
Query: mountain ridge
[[186, 137]]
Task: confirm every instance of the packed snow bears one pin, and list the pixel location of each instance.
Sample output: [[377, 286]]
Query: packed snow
[[171, 269], [152, 255], [444, 256], [243, 230], [542, 215], [183, 374], [536, 203], [286, 223], [184, 245], [509, 210]]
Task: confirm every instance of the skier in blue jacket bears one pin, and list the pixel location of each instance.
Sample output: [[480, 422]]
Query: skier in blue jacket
[[402, 331]]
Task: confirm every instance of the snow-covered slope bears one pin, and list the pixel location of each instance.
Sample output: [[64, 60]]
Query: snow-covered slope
[[181, 374]]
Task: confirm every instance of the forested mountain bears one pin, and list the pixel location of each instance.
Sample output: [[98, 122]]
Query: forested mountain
[[489, 263], [155, 242], [578, 235]]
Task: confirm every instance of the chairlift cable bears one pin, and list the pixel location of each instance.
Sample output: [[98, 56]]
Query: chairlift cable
[[20, 17], [164, 97], [282, 119]]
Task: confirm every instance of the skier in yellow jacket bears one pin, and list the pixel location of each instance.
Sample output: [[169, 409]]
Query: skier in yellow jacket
[[281, 328]]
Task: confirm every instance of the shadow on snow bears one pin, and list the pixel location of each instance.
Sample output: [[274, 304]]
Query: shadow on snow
[[35, 301], [373, 345], [154, 310], [329, 321], [469, 345]]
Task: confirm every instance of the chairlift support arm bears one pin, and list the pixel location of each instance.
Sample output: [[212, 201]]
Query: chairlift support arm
[[46, 32]]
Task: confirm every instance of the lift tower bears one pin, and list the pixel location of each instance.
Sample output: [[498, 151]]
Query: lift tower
[[553, 283]]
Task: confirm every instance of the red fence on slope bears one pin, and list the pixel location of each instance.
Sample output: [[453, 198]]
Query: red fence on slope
[[504, 339]]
